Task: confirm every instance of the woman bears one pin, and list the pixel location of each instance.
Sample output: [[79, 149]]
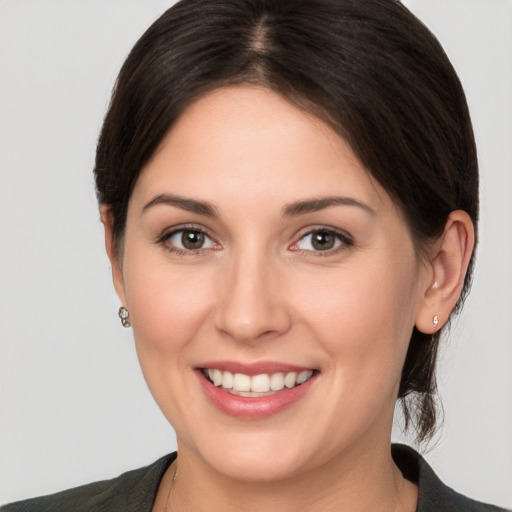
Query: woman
[[289, 195]]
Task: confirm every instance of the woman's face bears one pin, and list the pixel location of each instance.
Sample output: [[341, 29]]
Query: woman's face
[[260, 251]]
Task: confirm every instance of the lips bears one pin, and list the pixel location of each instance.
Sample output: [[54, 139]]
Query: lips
[[254, 391]]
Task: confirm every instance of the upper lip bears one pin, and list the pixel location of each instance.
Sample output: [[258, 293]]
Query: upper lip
[[254, 368]]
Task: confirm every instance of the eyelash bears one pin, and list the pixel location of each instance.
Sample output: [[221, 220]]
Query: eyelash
[[345, 240], [167, 235]]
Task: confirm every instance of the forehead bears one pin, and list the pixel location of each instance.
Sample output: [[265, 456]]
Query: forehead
[[250, 141]]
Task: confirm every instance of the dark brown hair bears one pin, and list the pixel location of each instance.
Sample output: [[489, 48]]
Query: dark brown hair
[[370, 69]]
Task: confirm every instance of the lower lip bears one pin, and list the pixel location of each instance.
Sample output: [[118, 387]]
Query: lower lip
[[253, 407]]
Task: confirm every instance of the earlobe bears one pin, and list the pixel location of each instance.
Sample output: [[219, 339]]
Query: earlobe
[[117, 272], [449, 260]]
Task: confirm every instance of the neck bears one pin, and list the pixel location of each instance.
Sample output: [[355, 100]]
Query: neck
[[357, 481]]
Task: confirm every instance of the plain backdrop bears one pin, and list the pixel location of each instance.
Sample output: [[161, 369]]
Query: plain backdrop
[[73, 405]]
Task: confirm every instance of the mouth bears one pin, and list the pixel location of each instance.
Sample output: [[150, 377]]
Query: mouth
[[255, 391], [261, 385]]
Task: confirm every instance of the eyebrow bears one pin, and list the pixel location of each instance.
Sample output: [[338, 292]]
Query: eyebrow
[[187, 204], [320, 203], [289, 210]]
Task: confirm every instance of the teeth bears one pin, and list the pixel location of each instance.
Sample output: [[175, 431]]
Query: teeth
[[277, 382], [241, 382], [260, 383], [217, 377], [227, 380], [304, 376], [290, 379], [245, 385]]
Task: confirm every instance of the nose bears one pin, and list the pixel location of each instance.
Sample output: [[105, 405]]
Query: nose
[[251, 303]]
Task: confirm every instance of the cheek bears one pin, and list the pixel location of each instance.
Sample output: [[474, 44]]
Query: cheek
[[364, 317], [167, 305]]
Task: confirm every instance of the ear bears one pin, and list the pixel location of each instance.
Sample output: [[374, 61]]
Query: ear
[[115, 262], [448, 263]]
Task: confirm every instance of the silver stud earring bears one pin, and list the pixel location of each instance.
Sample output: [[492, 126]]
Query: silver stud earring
[[123, 315], [435, 320]]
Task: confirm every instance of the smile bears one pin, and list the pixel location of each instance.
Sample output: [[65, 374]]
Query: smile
[[257, 385], [255, 391]]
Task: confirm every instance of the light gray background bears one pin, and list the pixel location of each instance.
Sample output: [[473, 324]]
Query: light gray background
[[73, 404]]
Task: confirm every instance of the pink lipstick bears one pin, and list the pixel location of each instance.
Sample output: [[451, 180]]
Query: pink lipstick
[[255, 390]]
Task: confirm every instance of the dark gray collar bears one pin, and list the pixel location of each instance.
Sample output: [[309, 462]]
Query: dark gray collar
[[434, 496], [135, 491]]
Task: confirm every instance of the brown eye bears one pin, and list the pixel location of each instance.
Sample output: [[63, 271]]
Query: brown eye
[[323, 240], [192, 239], [188, 240]]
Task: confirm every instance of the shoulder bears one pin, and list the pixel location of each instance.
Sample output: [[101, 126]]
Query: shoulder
[[434, 495], [132, 491]]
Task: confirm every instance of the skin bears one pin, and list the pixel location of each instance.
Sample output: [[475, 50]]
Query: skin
[[260, 291]]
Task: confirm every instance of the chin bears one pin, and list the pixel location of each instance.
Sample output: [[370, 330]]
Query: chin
[[252, 466], [252, 456]]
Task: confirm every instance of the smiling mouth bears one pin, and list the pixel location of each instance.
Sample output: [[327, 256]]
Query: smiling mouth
[[257, 385]]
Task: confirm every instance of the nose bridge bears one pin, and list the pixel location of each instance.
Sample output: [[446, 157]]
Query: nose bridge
[[250, 303]]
